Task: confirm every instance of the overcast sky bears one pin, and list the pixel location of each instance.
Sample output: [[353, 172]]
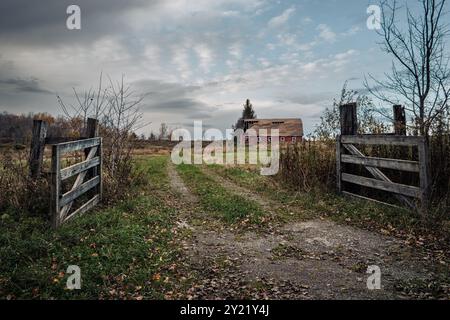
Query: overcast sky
[[196, 60]]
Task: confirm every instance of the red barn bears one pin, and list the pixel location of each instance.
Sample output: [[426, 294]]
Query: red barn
[[290, 130]]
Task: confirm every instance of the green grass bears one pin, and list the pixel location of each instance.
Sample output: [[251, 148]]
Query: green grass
[[218, 200], [123, 251], [154, 169]]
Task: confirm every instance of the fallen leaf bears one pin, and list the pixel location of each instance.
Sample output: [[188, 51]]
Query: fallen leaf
[[156, 277]]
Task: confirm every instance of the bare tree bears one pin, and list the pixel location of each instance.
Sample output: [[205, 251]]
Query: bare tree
[[117, 109], [420, 75], [90, 104], [368, 120], [120, 119]]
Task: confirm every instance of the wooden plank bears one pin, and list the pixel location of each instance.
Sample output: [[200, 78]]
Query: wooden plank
[[382, 140], [370, 199], [396, 164], [56, 187], [338, 163], [78, 145], [74, 194], [37, 147], [84, 208], [382, 185], [79, 167]]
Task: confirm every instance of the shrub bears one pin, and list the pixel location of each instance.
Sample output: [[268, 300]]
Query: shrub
[[19, 194]]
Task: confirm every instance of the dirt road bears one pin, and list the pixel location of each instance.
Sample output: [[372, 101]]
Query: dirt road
[[313, 259]]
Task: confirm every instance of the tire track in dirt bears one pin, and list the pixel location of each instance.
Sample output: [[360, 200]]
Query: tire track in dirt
[[209, 255], [177, 185], [327, 258]]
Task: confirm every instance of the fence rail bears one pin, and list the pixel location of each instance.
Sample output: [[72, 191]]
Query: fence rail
[[389, 140], [395, 164]]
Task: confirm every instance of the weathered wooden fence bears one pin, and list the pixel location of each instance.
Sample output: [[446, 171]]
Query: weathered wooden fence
[[62, 203], [348, 153], [88, 172]]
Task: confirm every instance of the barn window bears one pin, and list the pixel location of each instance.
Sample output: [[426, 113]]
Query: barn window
[[294, 139], [282, 139]]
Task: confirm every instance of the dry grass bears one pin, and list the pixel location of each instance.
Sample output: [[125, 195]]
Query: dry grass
[[309, 165], [19, 193]]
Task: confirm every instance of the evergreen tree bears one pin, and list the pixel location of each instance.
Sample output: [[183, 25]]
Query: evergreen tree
[[247, 113]]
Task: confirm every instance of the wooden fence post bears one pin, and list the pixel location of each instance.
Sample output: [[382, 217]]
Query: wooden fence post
[[56, 187], [92, 128], [92, 132], [349, 119], [338, 164], [37, 147], [425, 175], [100, 172], [400, 130], [349, 126], [399, 120]]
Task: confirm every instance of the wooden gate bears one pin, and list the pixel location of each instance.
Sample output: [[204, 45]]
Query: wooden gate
[[348, 153], [90, 168], [380, 181]]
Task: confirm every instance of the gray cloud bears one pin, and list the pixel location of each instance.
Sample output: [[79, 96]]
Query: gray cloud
[[44, 22], [366, 91], [159, 90], [311, 98], [31, 85], [188, 107], [173, 98]]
